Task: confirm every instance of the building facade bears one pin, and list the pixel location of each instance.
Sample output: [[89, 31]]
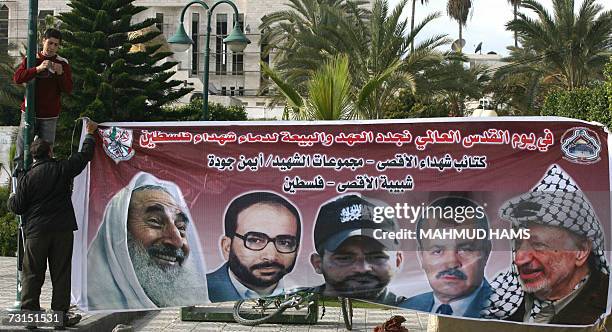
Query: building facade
[[491, 61], [235, 78]]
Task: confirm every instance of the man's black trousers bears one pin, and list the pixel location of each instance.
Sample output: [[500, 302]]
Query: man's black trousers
[[57, 249]]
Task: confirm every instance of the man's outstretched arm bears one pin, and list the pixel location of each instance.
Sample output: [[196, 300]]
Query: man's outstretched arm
[[18, 203], [77, 161]]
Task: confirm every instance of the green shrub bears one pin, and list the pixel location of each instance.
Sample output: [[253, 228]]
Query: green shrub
[[590, 103], [193, 112], [8, 226], [218, 112]]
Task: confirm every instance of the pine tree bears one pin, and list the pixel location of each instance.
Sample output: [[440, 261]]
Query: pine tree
[[113, 79]]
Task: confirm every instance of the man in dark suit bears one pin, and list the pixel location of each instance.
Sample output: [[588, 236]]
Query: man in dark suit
[[262, 236], [454, 266]]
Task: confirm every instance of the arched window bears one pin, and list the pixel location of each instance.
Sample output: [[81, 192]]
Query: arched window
[[4, 23]]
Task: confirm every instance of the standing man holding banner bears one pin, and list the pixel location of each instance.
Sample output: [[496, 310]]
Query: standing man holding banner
[[44, 199]]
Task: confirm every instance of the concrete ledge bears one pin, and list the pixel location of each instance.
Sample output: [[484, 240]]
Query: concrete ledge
[[106, 322], [307, 316], [95, 323]]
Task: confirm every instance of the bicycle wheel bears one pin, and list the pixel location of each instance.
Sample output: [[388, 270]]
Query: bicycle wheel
[[257, 311], [347, 312]]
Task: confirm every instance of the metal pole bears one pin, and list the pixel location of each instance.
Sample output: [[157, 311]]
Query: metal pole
[[207, 51], [206, 68], [30, 110], [17, 304], [205, 76]]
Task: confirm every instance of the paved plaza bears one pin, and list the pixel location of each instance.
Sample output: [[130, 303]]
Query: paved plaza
[[170, 319], [363, 320]]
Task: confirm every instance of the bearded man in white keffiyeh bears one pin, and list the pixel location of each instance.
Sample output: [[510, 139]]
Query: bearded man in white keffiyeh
[[559, 275], [146, 253]]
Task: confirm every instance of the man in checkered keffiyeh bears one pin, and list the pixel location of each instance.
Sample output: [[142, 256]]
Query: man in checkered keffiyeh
[[559, 275]]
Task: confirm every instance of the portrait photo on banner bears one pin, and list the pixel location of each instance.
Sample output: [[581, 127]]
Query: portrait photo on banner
[[506, 220]]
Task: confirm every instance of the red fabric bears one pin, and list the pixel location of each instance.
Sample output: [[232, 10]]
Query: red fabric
[[49, 86]]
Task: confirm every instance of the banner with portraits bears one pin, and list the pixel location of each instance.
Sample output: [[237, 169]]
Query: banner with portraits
[[501, 218]]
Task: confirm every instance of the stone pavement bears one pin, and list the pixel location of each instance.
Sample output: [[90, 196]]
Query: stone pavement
[[363, 320], [99, 322], [170, 320]]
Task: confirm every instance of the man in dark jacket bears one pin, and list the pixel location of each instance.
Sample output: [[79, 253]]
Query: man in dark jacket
[[43, 198]]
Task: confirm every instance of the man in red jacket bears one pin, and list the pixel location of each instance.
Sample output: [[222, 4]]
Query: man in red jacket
[[53, 76]]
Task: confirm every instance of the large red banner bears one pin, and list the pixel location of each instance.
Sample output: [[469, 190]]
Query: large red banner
[[505, 219]]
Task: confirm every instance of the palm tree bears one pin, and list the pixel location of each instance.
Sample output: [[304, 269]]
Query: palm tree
[[519, 84], [515, 4], [447, 85], [384, 64], [305, 35], [566, 49], [520, 93], [328, 90], [375, 42], [459, 11], [412, 19]]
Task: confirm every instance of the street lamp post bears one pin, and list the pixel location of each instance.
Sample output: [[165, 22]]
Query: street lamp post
[[30, 110], [236, 40]]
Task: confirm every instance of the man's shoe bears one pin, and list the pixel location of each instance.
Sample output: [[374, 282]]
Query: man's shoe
[[31, 325], [72, 320], [69, 321]]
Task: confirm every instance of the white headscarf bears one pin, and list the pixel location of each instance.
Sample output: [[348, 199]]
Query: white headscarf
[[111, 280]]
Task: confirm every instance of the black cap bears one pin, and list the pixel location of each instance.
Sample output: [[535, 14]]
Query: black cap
[[348, 216]]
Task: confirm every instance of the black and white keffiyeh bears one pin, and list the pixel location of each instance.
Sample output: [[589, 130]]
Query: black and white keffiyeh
[[538, 305], [556, 200]]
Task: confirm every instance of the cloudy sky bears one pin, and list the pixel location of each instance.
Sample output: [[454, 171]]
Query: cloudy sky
[[486, 24]]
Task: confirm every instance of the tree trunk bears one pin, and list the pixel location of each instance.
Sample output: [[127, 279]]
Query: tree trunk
[[515, 35], [460, 38], [412, 25]]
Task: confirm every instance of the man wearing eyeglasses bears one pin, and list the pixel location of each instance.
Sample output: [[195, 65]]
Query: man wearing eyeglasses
[[262, 236], [353, 261]]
